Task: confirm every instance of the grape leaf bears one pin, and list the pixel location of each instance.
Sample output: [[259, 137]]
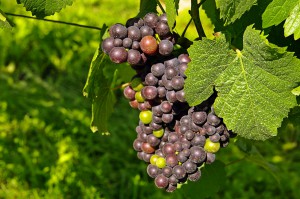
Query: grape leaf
[[231, 10], [42, 8], [296, 91], [99, 90], [212, 178], [5, 23], [254, 85], [277, 11], [171, 10], [292, 23], [147, 6]]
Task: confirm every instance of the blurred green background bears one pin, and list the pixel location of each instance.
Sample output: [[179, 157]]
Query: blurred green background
[[47, 149]]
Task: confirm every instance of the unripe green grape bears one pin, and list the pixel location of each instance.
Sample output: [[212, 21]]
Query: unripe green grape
[[158, 133], [154, 158], [211, 147], [138, 96], [146, 116], [160, 162]]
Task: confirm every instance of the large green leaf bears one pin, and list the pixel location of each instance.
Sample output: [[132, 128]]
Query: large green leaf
[[99, 90], [212, 179], [42, 8], [231, 10], [292, 23], [171, 10], [254, 85], [277, 11]]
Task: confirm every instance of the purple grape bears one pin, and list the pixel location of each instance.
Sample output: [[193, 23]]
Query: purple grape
[[152, 140], [180, 96], [153, 171], [134, 57], [151, 80], [189, 135], [118, 55], [156, 110], [163, 17], [158, 69], [134, 33], [155, 126], [190, 166], [198, 140], [168, 148], [107, 45], [166, 107], [146, 30], [215, 137], [174, 62], [129, 93], [127, 42], [156, 119], [167, 171], [171, 72], [135, 45], [171, 96], [171, 160], [213, 120], [195, 176], [161, 181], [167, 118], [165, 47], [198, 154], [171, 188], [137, 145], [172, 138], [118, 42], [182, 68], [199, 117], [118, 31], [179, 172], [177, 82], [161, 92], [151, 19], [173, 180], [162, 29], [149, 92], [181, 157], [184, 58], [210, 158]]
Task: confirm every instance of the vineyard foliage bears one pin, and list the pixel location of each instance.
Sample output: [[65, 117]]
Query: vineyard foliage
[[246, 51]]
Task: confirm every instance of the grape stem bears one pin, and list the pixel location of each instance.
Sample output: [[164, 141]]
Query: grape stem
[[55, 21], [194, 12]]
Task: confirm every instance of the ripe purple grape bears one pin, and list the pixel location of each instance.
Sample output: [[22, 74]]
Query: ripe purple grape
[[199, 117], [134, 57], [151, 80], [195, 176], [134, 33], [153, 171], [179, 172], [118, 55], [161, 181], [149, 92], [151, 19], [158, 69], [146, 30], [118, 31], [107, 45], [177, 82], [162, 29], [165, 47]]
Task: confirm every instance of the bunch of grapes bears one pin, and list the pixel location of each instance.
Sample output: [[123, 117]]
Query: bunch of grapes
[[176, 140]]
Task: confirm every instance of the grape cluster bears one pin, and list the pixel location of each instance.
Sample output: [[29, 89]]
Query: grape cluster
[[136, 41], [176, 140]]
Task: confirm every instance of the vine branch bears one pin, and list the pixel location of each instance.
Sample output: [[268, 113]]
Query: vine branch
[[54, 21], [195, 16]]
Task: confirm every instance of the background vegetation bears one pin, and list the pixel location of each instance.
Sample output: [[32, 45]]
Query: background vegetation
[[47, 149]]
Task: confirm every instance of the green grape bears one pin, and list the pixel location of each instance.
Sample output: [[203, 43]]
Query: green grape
[[158, 133], [211, 147], [146, 116], [138, 96], [153, 159], [161, 162], [137, 84]]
